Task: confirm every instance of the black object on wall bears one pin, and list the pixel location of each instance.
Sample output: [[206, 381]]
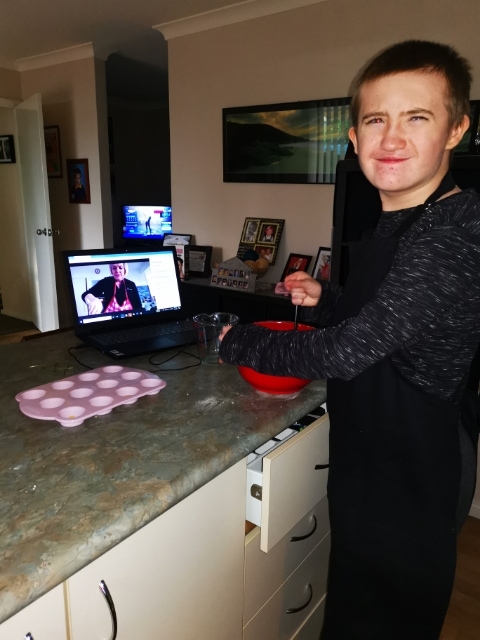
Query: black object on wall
[[357, 206]]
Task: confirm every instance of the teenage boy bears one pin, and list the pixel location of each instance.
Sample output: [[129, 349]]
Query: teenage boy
[[396, 349]]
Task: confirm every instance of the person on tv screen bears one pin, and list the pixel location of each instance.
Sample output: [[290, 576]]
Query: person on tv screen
[[114, 293], [396, 345]]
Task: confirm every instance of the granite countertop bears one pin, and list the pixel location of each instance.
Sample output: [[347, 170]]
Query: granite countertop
[[67, 495]]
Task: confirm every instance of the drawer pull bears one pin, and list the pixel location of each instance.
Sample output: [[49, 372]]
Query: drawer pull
[[297, 609], [256, 491], [104, 589], [307, 535], [322, 466]]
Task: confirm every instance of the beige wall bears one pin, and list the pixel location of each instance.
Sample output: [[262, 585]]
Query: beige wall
[[308, 53], [10, 84], [73, 97], [14, 272]]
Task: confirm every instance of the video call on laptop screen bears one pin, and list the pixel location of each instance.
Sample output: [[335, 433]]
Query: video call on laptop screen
[[109, 286]]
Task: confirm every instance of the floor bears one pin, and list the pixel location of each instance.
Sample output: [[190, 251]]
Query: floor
[[463, 617], [13, 329]]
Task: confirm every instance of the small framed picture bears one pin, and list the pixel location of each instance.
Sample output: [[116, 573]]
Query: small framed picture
[[260, 239], [7, 150], [321, 268], [197, 260], [78, 181], [177, 238], [251, 228], [296, 262], [52, 151]]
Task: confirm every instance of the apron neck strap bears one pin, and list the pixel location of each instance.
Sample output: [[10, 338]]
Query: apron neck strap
[[446, 185]]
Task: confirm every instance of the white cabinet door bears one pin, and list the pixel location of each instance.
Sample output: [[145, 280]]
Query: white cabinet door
[[44, 619], [180, 577]]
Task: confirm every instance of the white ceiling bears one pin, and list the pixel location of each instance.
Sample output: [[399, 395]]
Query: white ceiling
[[120, 31], [34, 27]]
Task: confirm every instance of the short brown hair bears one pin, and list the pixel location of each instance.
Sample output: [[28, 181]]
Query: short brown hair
[[420, 55]]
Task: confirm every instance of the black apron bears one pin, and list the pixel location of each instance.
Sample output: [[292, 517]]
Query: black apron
[[393, 484]]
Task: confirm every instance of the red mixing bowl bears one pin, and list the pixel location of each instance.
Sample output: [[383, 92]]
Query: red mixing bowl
[[277, 385]]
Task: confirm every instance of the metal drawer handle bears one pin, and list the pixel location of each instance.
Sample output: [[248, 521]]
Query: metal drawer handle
[[104, 589], [298, 538], [322, 466], [297, 609]]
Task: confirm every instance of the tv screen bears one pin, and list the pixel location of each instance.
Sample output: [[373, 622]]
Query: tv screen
[[146, 222]]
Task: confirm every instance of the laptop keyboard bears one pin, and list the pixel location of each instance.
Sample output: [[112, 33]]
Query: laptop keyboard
[[132, 334]]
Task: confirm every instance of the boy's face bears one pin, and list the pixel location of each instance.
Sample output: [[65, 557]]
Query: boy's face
[[403, 137]]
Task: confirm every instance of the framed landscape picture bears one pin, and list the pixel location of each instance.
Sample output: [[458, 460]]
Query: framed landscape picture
[[292, 142]]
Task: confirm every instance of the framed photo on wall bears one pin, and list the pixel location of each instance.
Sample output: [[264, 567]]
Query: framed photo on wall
[[296, 262], [78, 181], [321, 268], [290, 142], [7, 150], [52, 151]]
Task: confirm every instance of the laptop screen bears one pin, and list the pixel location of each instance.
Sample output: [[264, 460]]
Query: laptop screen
[[112, 287]]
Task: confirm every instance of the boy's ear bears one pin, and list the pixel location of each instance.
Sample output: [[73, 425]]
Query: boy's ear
[[352, 134], [457, 133]]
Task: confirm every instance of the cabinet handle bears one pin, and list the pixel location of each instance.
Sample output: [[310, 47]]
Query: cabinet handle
[[297, 609], [307, 535], [322, 466], [104, 589]]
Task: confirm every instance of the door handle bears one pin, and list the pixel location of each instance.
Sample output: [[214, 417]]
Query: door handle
[[48, 232], [104, 589]]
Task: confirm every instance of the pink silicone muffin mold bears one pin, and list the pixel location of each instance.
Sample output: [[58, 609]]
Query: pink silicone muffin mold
[[72, 400]]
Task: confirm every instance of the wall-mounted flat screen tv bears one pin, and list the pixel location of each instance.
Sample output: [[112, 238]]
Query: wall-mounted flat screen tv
[[146, 222]]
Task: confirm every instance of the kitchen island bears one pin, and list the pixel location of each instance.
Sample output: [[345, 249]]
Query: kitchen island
[[71, 494]]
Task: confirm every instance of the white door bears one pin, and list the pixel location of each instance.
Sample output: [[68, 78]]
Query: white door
[[36, 203]]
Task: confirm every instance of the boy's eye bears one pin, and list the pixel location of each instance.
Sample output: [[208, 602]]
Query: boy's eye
[[374, 121]]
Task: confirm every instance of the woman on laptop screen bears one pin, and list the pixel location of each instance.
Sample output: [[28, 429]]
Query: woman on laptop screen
[[114, 293]]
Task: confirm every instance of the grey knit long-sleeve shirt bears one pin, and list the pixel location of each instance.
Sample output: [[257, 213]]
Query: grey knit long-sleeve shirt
[[425, 315]]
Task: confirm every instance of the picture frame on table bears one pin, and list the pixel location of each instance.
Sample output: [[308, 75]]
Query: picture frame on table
[[7, 150], [53, 154], [296, 262], [177, 238], [197, 261], [78, 181], [260, 239], [323, 263]]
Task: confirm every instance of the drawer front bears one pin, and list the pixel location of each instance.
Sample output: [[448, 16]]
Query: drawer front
[[302, 592], [266, 572], [312, 626], [292, 485]]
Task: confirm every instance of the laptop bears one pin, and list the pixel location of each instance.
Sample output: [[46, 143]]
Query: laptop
[[127, 302]]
